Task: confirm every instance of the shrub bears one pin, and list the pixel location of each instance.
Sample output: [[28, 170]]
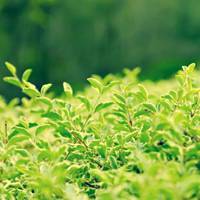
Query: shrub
[[118, 139]]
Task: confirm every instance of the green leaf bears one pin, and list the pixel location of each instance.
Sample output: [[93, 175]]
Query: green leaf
[[119, 98], [13, 80], [32, 124], [23, 152], [45, 88], [150, 107], [40, 129], [67, 89], [119, 114], [113, 162], [96, 84], [31, 92], [110, 85], [102, 106], [19, 131], [11, 68], [75, 157], [26, 75], [44, 155], [190, 68], [18, 139], [45, 100], [52, 115], [144, 137], [166, 105], [102, 151], [143, 91], [64, 132], [85, 101], [168, 96], [141, 112], [14, 102]]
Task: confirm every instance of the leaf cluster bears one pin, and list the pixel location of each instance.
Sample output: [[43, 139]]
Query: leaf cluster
[[119, 139]]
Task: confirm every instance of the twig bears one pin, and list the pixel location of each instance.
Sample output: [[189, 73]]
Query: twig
[[80, 140], [6, 132]]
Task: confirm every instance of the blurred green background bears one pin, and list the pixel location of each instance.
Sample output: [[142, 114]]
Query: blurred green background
[[72, 39]]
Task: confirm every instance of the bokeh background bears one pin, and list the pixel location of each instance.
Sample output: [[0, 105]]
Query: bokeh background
[[72, 39]]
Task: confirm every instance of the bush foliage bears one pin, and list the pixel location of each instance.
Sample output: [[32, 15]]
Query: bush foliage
[[118, 139]]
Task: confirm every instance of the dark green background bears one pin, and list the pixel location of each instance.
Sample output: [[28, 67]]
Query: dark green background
[[72, 39]]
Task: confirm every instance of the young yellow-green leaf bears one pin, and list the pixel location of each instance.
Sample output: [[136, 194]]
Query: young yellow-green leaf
[[190, 68], [22, 152], [143, 91], [85, 101], [120, 114], [110, 85], [26, 75], [96, 84], [11, 68], [119, 98], [67, 89], [150, 107], [45, 88], [42, 128], [29, 85], [46, 101], [141, 113], [14, 102], [13, 80], [31, 92]]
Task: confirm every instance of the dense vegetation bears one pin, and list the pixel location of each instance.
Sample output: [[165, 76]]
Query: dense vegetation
[[97, 36], [117, 140]]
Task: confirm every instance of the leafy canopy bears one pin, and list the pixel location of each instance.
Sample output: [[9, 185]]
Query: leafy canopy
[[118, 139]]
